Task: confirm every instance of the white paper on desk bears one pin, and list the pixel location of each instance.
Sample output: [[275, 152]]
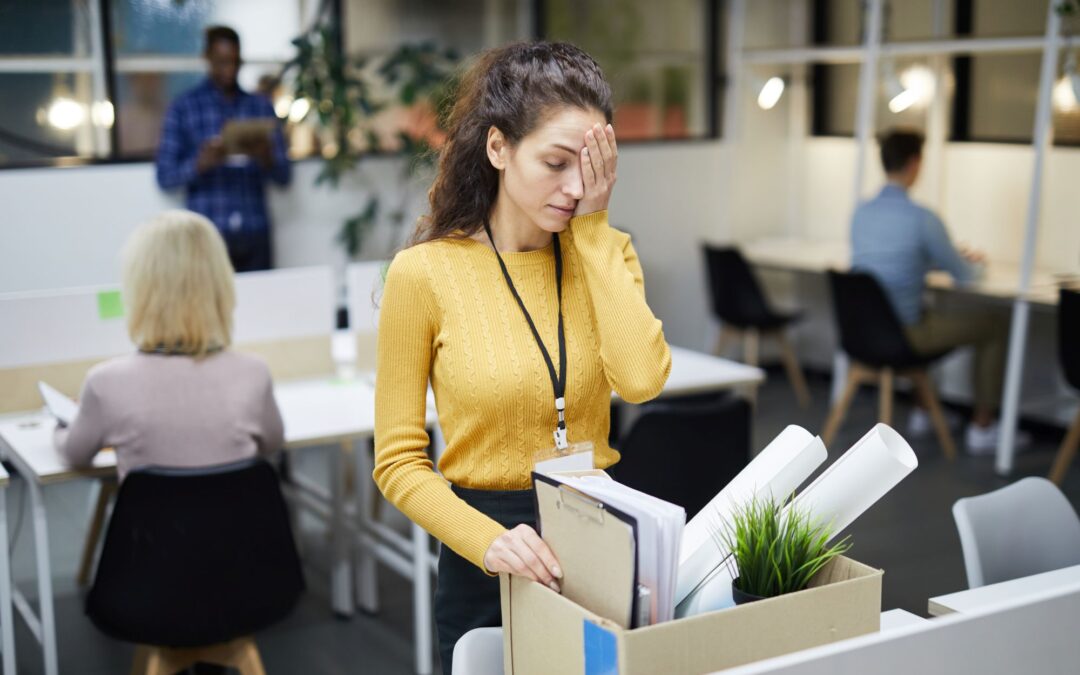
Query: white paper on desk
[[659, 530], [777, 471], [843, 492]]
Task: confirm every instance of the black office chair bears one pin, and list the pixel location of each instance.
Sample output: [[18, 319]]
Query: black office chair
[[1069, 350], [740, 305], [685, 453], [195, 561], [873, 338]]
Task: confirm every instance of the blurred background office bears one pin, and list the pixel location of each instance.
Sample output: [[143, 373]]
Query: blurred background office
[[746, 125]]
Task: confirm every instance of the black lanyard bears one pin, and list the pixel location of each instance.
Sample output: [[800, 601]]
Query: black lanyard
[[558, 381]]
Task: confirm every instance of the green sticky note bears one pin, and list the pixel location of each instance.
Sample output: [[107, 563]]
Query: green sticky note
[[110, 305]]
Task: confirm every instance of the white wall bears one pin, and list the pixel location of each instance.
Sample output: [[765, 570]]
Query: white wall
[[985, 197], [66, 227]]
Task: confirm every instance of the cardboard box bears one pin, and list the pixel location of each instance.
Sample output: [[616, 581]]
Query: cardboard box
[[546, 633]]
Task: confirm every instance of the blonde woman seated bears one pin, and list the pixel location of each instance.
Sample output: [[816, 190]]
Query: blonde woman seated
[[183, 399]]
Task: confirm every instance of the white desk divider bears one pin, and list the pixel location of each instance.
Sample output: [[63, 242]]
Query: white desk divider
[[57, 335], [61, 325], [364, 281], [1031, 634], [364, 286], [283, 304]]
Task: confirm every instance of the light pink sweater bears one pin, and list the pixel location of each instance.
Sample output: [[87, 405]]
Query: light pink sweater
[[177, 411]]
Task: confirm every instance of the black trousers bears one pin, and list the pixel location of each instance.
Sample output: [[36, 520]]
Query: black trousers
[[466, 597], [250, 251]]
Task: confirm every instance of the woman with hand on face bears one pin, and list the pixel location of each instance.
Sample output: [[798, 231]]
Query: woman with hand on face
[[523, 308]]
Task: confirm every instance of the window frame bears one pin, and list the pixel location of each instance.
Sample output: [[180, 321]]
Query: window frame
[[108, 67], [713, 80], [959, 66]]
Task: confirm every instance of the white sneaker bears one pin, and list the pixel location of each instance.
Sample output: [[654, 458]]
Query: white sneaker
[[919, 424], [981, 441]]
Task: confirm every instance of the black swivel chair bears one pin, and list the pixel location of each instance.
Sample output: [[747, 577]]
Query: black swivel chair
[[685, 453], [195, 561], [873, 338], [1069, 349], [740, 305]]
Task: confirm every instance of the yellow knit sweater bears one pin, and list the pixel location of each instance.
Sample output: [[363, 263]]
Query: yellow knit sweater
[[448, 317]]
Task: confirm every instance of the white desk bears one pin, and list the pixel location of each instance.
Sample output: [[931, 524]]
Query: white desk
[[1000, 280], [1006, 592], [899, 618], [319, 411], [315, 411], [7, 625], [695, 373], [327, 410], [27, 442]]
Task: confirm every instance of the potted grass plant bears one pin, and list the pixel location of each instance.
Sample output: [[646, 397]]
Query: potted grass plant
[[775, 550]]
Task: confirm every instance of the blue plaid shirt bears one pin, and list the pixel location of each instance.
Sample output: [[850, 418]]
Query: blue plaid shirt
[[231, 196]]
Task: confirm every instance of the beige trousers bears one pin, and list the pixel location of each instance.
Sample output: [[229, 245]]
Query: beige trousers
[[987, 332]]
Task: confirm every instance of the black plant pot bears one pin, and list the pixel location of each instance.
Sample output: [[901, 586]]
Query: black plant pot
[[742, 597]]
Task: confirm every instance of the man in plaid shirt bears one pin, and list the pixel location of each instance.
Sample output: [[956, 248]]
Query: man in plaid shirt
[[229, 190]]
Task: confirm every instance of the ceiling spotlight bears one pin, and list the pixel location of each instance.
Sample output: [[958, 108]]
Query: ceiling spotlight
[[902, 101], [65, 114], [298, 109], [914, 87], [770, 93], [282, 104]]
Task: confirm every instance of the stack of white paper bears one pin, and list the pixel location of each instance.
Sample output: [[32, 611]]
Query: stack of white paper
[[777, 470], [659, 531], [862, 476]]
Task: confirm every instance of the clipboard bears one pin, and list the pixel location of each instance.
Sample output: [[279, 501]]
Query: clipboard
[[240, 134], [595, 545]]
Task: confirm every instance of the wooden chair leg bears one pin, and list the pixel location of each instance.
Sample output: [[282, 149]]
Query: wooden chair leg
[[751, 342], [885, 396], [248, 660], [93, 535], [150, 660], [724, 339], [140, 664], [839, 410], [925, 390], [1065, 454], [794, 372], [241, 654]]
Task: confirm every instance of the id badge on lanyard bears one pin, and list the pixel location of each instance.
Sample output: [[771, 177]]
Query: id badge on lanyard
[[564, 456], [574, 457]]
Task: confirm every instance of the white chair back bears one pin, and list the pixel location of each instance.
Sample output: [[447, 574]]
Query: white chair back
[[1022, 529], [479, 652]]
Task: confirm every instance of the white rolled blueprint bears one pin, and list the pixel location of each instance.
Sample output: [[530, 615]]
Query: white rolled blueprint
[[777, 470], [843, 492]]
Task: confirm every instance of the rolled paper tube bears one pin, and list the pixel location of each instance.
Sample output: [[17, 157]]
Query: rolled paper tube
[[856, 481], [843, 492], [777, 470]]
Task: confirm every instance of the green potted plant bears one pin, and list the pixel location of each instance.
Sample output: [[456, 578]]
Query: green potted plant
[[775, 550], [636, 115], [348, 95]]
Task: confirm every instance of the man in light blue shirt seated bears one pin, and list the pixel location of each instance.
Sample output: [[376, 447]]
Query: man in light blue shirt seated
[[899, 241]]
